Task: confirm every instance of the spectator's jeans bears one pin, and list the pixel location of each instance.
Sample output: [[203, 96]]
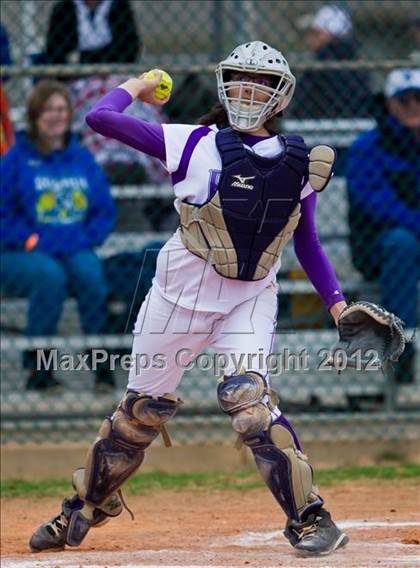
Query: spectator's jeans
[[399, 252], [47, 281], [129, 276]]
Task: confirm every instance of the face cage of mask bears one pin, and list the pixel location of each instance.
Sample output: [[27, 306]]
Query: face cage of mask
[[246, 114]]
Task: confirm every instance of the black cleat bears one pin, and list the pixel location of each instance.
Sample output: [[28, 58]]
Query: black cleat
[[52, 535], [316, 536]]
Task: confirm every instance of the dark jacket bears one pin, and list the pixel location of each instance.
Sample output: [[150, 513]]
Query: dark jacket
[[383, 181], [64, 197], [62, 36], [5, 58], [332, 93]]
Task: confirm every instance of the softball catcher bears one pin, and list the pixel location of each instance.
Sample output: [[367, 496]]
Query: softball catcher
[[242, 191]]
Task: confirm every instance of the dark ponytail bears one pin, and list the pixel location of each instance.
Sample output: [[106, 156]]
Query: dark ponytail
[[216, 115]]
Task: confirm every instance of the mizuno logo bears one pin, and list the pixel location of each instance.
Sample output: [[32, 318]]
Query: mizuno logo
[[241, 182]]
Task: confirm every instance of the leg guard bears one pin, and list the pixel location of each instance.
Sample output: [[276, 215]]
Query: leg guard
[[117, 453], [243, 398], [286, 470], [276, 449]]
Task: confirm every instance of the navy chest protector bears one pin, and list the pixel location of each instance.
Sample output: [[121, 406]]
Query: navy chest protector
[[244, 227]]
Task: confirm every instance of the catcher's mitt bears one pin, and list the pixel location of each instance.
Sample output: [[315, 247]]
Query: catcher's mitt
[[364, 329]]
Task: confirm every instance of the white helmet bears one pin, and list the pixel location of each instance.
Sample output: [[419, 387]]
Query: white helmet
[[254, 57]]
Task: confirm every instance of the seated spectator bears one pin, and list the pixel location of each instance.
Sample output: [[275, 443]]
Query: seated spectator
[[415, 44], [7, 137], [104, 31], [130, 277], [56, 207], [5, 57], [123, 165], [100, 31], [330, 93], [383, 178]]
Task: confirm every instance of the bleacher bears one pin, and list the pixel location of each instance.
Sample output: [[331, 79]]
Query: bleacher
[[296, 388]]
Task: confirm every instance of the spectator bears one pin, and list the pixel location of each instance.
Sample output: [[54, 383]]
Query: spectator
[[5, 57], [122, 164], [56, 207], [383, 175], [130, 278], [331, 93], [415, 34], [7, 137], [101, 31]]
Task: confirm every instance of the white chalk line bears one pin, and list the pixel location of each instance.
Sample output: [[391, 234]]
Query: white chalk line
[[73, 559], [259, 538], [83, 560]]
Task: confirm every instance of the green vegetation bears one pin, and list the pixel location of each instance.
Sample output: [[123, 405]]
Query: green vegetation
[[241, 481]]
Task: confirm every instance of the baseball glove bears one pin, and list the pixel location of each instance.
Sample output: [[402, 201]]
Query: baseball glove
[[365, 330]]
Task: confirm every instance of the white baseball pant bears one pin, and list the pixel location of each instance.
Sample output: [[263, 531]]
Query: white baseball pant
[[167, 337]]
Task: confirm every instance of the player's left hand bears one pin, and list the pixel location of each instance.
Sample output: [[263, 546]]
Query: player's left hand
[[364, 329]]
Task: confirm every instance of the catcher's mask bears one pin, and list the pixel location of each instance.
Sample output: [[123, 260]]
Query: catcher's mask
[[247, 113]]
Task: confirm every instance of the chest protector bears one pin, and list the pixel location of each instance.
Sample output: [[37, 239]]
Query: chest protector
[[244, 227]]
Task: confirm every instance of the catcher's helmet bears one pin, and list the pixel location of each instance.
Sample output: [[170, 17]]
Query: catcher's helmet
[[254, 57]]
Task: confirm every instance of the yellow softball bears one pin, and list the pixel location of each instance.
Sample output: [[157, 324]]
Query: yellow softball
[[164, 88]]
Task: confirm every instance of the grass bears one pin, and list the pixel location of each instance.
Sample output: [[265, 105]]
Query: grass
[[216, 481]]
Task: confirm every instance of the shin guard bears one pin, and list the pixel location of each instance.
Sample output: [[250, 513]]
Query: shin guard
[[285, 470], [117, 453]]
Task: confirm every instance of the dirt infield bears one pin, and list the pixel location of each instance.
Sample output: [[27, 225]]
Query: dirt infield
[[227, 528]]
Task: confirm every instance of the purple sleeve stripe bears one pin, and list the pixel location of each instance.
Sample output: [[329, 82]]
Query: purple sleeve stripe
[[193, 139], [312, 257]]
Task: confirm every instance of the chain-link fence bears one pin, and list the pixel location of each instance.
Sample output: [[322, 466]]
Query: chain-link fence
[[84, 216]]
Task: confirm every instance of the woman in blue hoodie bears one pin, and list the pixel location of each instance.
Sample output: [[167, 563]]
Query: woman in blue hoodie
[[56, 206]]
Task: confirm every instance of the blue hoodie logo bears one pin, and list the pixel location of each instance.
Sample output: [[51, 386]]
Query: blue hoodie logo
[[61, 201]]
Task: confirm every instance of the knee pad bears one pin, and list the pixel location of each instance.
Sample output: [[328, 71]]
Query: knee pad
[[286, 471], [119, 449], [243, 398]]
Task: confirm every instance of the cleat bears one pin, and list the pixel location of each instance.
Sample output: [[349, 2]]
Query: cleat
[[317, 536], [52, 535]]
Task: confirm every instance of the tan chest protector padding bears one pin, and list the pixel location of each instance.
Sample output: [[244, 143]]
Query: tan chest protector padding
[[321, 162], [204, 233]]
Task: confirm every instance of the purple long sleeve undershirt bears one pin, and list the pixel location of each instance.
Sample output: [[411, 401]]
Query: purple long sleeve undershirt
[[107, 118]]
